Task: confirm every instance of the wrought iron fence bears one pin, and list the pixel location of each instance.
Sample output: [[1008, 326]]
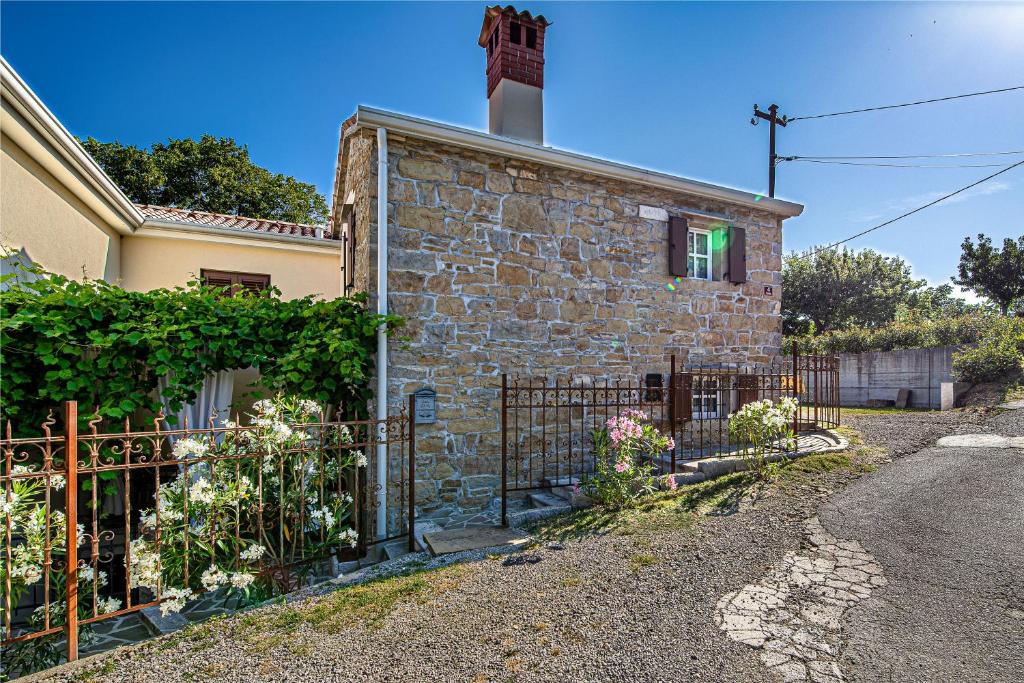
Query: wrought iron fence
[[99, 525], [548, 427]]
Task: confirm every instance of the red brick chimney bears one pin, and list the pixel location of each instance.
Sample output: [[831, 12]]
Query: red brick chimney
[[514, 42]]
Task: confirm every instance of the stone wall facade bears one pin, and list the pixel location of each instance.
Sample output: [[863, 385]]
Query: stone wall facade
[[505, 266]]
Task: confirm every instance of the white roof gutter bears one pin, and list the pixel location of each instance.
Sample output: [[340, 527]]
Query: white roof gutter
[[108, 200], [367, 117]]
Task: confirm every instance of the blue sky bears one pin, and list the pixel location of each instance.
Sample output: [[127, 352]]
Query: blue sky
[[664, 86]]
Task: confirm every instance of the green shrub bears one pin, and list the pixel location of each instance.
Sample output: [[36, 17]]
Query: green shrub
[[998, 356], [902, 334]]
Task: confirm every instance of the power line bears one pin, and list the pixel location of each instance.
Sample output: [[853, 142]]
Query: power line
[[858, 163], [912, 212], [910, 156], [906, 104]]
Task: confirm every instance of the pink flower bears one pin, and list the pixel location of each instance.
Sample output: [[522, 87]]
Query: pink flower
[[672, 485], [671, 443], [621, 466], [616, 436]]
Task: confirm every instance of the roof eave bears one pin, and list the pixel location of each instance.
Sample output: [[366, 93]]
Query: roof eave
[[368, 117]]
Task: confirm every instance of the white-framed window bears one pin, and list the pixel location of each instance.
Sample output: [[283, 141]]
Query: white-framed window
[[698, 254], [705, 399]]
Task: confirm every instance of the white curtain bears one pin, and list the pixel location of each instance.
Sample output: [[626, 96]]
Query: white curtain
[[214, 398]]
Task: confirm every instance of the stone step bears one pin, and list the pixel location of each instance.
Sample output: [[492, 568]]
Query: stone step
[[474, 538], [396, 549], [545, 499], [690, 478]]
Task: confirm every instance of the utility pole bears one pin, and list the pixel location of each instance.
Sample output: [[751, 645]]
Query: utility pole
[[772, 117]]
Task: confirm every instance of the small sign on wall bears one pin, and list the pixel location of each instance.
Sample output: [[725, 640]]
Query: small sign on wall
[[653, 213], [426, 406], [768, 291]]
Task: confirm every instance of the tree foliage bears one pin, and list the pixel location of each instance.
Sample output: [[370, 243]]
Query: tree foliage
[[208, 174], [104, 346], [832, 290], [996, 274]]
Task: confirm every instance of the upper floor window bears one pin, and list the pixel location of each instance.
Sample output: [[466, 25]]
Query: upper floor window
[[698, 255]]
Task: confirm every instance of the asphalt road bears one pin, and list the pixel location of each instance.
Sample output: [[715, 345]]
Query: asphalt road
[[947, 524]]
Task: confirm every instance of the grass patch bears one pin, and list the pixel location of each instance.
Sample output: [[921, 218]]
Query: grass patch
[[363, 605], [662, 512], [889, 410], [103, 669], [574, 580], [642, 560], [805, 471]]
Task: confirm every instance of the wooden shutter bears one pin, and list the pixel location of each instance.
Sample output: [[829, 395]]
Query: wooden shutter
[[350, 253], [683, 401], [747, 385], [677, 227], [251, 282], [737, 254]]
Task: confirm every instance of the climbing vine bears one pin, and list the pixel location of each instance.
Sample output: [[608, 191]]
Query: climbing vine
[[104, 346]]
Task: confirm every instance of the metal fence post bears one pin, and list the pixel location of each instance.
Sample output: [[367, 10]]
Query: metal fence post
[[412, 473], [672, 411], [71, 516], [796, 390], [504, 449]]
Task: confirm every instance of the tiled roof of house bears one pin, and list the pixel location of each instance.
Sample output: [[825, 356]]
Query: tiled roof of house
[[241, 223]]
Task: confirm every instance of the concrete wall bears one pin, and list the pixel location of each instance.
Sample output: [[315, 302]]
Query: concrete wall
[[880, 375], [153, 262], [48, 223]]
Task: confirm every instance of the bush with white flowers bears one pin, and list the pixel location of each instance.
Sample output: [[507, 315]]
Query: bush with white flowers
[[763, 426], [244, 512]]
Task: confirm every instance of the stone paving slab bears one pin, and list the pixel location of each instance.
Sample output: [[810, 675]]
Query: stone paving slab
[[459, 540], [981, 441]]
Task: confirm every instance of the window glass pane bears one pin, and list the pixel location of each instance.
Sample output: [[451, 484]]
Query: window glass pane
[[689, 242], [689, 266], [702, 268], [702, 243]]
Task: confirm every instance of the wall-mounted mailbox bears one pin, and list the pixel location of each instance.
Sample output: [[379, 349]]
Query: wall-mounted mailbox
[[426, 406]]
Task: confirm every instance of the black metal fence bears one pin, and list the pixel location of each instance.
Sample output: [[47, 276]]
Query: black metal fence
[[548, 426]]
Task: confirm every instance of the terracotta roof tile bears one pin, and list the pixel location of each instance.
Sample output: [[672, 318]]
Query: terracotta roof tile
[[241, 223]]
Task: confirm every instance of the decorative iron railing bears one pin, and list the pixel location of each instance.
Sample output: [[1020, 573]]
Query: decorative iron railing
[[547, 426], [99, 525]]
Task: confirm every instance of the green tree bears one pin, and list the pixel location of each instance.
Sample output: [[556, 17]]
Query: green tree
[[996, 274], [208, 174], [830, 290]]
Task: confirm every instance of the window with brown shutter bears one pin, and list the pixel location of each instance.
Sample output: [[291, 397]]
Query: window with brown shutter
[[677, 228], [350, 253], [238, 282], [737, 260]]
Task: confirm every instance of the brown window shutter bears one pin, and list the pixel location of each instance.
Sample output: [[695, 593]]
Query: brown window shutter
[[684, 396], [737, 254], [253, 283], [677, 227], [747, 385]]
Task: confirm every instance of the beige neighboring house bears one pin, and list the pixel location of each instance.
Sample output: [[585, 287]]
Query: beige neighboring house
[[59, 209]]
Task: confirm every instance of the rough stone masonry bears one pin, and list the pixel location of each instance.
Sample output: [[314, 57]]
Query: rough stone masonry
[[506, 266]]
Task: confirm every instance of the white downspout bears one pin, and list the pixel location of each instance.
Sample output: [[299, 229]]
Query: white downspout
[[382, 335]]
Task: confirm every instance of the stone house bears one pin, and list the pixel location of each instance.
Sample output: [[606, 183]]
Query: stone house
[[508, 256]]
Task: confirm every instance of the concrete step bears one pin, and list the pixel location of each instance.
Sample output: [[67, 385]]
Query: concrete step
[[396, 549], [690, 478]]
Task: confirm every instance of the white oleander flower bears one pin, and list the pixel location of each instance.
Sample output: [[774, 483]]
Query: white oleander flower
[[174, 600], [242, 580], [253, 553], [361, 460], [201, 492], [186, 447], [349, 536], [307, 407], [213, 577], [19, 470], [107, 605]]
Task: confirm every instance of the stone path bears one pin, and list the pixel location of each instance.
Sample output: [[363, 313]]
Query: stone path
[[794, 614]]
